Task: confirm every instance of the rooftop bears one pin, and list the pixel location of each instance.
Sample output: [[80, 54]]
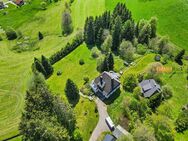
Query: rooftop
[[149, 87]]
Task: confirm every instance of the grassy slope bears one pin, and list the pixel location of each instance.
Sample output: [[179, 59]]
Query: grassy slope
[[15, 68], [177, 82], [172, 16], [84, 8], [71, 68]]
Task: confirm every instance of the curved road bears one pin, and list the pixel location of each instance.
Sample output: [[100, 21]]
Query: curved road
[[101, 125]]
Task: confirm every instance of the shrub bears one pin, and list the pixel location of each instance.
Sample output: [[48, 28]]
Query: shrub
[[40, 36], [59, 73], [1, 38], [86, 79], [167, 92], [155, 101], [141, 49], [81, 62], [137, 93], [11, 34], [130, 82], [182, 121], [43, 5], [95, 53]]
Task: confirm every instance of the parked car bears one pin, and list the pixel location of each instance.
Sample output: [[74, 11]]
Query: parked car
[[110, 123]]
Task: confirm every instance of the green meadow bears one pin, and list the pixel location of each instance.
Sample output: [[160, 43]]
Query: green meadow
[[15, 68]]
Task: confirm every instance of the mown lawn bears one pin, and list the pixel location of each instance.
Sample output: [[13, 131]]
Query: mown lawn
[[15, 68], [71, 68], [172, 16]]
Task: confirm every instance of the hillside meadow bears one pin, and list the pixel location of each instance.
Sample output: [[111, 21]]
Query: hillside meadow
[[15, 68]]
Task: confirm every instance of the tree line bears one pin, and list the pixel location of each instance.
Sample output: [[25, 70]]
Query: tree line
[[121, 26], [46, 117]]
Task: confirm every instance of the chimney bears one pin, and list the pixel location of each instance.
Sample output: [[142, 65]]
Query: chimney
[[101, 80], [112, 83]]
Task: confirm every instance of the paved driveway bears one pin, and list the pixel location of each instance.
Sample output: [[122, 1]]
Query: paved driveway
[[101, 125]]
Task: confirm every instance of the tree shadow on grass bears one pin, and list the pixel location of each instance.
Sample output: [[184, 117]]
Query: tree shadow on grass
[[113, 97]]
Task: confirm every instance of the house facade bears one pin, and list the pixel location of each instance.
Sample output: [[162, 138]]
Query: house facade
[[106, 84]]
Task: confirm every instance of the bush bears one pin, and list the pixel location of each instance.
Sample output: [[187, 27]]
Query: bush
[[130, 82], [137, 93], [40, 36], [86, 80], [155, 101], [81, 62], [141, 49], [95, 53], [11, 34], [182, 121], [43, 5], [167, 92], [59, 73], [1, 38]]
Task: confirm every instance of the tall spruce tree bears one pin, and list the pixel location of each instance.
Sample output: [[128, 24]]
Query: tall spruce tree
[[90, 31], [153, 23], [45, 117], [110, 62], [116, 36], [128, 30], [122, 11], [99, 39], [71, 91], [40, 36], [47, 65], [39, 67], [179, 56]]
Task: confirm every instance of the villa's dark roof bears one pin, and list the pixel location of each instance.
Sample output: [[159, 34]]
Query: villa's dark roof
[[109, 82], [109, 137], [149, 87]]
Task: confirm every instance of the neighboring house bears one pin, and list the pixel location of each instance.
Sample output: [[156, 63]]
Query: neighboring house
[[19, 2], [149, 87], [119, 132], [106, 84], [2, 6], [109, 137]]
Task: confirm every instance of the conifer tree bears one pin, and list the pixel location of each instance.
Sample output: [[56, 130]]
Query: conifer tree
[[153, 23], [99, 39], [40, 36], [110, 62], [128, 30], [71, 90], [89, 31], [179, 56], [116, 36], [39, 67], [47, 65]]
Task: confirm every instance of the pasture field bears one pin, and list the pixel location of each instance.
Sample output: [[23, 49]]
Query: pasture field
[[15, 68], [172, 16], [71, 68]]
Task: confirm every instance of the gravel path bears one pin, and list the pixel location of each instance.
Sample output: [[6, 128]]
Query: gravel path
[[101, 125]]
